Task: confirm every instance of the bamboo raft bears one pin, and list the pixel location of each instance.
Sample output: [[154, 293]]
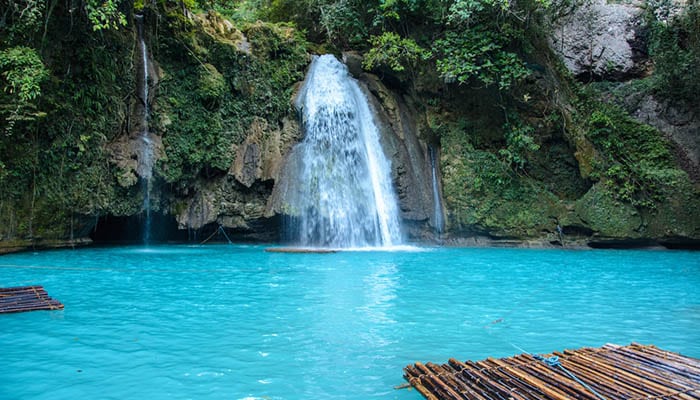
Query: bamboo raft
[[610, 372], [26, 298]]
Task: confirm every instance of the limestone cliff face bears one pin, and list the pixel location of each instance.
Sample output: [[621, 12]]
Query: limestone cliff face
[[679, 122], [608, 41], [223, 129], [222, 125], [600, 39], [239, 200]]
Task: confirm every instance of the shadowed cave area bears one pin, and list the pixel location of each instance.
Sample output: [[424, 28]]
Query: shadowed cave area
[[130, 230]]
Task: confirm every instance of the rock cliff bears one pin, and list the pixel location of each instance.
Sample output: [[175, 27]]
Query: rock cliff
[[557, 160]]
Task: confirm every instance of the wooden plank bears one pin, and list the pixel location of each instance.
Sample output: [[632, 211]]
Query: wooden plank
[[19, 288]]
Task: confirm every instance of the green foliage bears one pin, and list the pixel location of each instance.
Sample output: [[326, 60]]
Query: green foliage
[[105, 14], [466, 40], [482, 40], [212, 85], [22, 19], [343, 22], [390, 50], [243, 11], [478, 54], [675, 49], [519, 142], [635, 160], [211, 97], [22, 73]]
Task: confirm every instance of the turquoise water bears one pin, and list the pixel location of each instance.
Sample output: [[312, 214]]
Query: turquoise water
[[235, 322]]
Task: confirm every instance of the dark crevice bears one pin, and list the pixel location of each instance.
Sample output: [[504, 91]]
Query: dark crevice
[[130, 230]]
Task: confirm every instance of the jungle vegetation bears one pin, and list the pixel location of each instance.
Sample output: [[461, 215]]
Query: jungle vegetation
[[67, 80]]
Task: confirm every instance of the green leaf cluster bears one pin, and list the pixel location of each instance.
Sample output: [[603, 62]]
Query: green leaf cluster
[[394, 51], [23, 72], [634, 159], [479, 55], [519, 142], [21, 75], [105, 14]]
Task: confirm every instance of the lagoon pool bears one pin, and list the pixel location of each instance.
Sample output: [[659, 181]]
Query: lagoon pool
[[236, 322]]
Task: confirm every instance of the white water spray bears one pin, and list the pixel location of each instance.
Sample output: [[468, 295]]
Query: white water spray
[[145, 167], [347, 198], [438, 219]]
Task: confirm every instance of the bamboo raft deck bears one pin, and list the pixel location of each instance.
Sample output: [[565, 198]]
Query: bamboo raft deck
[[610, 372], [26, 298]]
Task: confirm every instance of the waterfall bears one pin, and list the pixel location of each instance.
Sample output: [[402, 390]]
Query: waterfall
[[438, 219], [145, 167], [344, 196]]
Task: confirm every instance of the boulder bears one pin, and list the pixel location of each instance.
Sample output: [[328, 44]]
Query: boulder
[[598, 39]]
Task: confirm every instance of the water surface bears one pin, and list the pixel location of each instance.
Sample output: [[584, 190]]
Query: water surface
[[235, 322]]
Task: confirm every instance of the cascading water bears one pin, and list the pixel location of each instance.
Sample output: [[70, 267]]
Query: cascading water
[[145, 167], [345, 196], [438, 219]]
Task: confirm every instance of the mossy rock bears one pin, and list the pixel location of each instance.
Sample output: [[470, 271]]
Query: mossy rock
[[606, 216], [677, 216], [212, 85], [482, 194]]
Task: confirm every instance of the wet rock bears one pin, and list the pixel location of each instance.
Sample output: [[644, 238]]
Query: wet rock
[[353, 60], [606, 217], [227, 203], [260, 156], [400, 126]]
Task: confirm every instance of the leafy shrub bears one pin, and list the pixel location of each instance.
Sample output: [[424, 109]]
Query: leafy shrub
[[390, 50]]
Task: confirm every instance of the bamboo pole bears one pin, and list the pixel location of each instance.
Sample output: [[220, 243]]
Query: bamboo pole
[[555, 376], [650, 382], [498, 371], [483, 380], [654, 370]]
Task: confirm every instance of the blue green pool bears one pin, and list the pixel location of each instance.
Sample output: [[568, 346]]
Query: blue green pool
[[236, 322]]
